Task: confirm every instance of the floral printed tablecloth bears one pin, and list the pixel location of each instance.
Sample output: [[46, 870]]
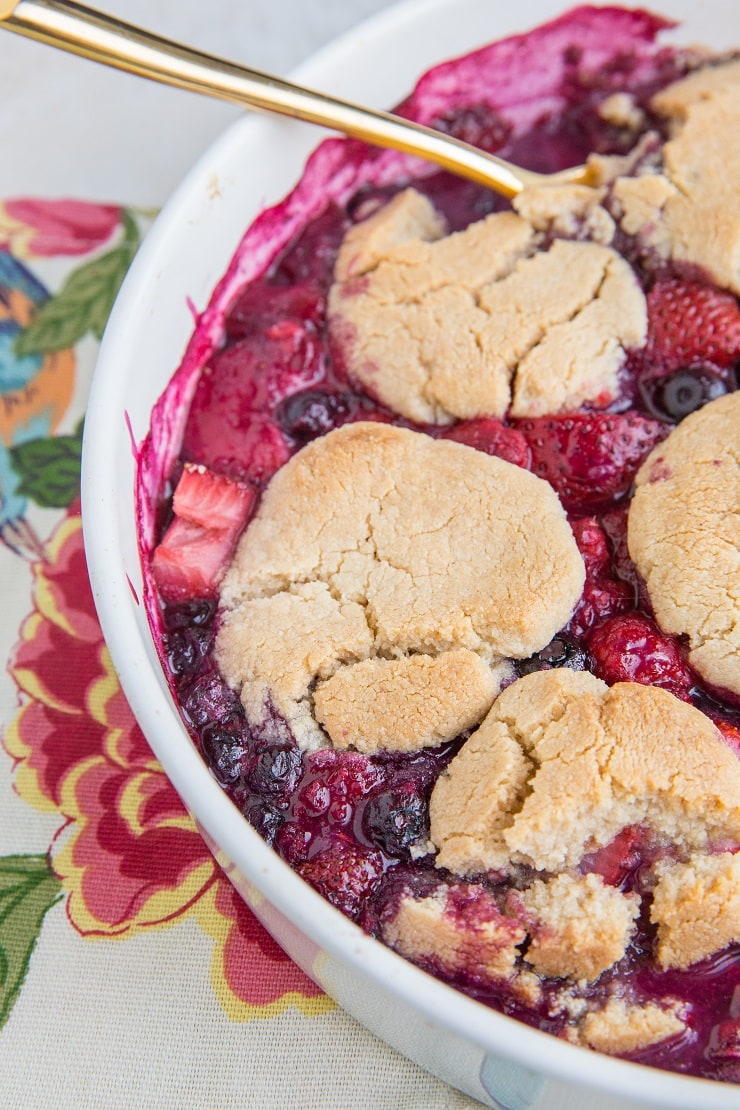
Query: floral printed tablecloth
[[130, 972]]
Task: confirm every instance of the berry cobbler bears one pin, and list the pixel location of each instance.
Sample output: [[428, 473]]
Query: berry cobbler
[[446, 572]]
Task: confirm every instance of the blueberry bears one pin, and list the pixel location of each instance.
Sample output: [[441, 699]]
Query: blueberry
[[264, 818], [684, 391], [275, 772], [198, 611], [186, 649], [311, 413], [224, 751], [208, 700], [562, 651], [396, 820]]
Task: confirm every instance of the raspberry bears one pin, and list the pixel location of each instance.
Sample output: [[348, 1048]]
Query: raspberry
[[591, 458], [344, 873], [492, 437], [633, 649], [603, 595]]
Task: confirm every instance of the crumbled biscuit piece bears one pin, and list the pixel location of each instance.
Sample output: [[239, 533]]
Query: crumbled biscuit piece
[[621, 110], [407, 217], [479, 320], [573, 211], [690, 212], [376, 541], [562, 763], [579, 925], [459, 929], [622, 1027], [684, 537], [696, 906], [676, 100], [405, 704]]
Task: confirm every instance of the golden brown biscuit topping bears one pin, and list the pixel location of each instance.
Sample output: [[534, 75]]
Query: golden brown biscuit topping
[[480, 321], [375, 542], [684, 537]]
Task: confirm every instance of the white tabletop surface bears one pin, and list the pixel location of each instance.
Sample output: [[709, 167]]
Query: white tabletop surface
[[145, 136]]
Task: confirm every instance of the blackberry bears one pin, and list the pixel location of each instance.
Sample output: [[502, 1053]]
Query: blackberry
[[562, 651]]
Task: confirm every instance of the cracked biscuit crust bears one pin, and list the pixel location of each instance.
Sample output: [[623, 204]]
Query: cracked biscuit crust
[[405, 704], [375, 542], [684, 537], [690, 212], [480, 321], [562, 763]]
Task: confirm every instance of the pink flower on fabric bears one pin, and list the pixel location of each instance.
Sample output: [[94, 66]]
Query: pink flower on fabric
[[56, 227], [127, 852]]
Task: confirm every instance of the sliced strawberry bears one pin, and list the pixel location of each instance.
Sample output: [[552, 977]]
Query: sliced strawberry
[[616, 861], [489, 435], [230, 426], [691, 323], [210, 513], [632, 648], [211, 500], [590, 458]]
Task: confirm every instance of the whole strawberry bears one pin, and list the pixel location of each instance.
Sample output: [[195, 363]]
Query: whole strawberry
[[489, 435], [691, 323], [590, 458], [692, 350]]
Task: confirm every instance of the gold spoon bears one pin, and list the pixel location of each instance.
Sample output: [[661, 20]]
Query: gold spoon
[[101, 38]]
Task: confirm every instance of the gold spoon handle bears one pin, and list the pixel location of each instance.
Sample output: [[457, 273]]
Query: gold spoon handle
[[101, 38]]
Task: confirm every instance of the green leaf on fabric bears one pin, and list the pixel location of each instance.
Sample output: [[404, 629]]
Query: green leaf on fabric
[[84, 301], [49, 469], [28, 889]]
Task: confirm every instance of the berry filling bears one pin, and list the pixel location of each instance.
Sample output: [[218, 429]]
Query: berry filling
[[357, 827]]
